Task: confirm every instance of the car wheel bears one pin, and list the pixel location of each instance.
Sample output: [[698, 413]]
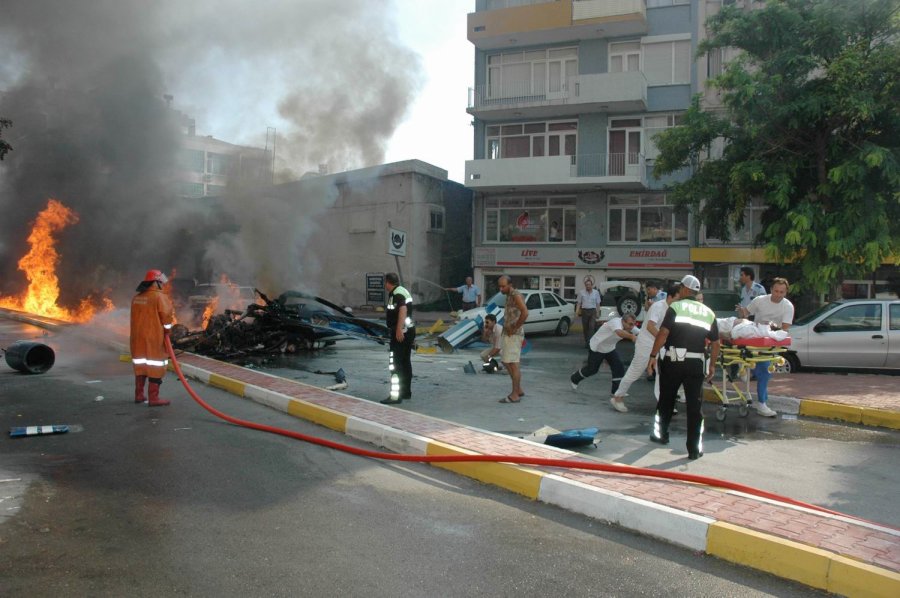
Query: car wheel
[[562, 328], [628, 304], [791, 364]]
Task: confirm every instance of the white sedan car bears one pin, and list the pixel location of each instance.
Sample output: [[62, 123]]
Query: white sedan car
[[849, 334], [547, 311]]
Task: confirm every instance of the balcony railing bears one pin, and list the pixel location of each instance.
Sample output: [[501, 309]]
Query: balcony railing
[[609, 91], [609, 165], [599, 9], [558, 171]]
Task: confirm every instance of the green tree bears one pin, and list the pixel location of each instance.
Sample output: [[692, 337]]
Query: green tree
[[810, 121], [4, 146]]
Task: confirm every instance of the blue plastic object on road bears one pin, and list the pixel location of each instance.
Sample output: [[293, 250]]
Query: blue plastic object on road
[[37, 430]]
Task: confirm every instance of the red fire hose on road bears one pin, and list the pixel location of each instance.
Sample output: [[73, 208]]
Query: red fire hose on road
[[519, 460]]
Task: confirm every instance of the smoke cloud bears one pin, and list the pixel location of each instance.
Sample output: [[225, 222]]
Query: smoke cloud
[[83, 83]]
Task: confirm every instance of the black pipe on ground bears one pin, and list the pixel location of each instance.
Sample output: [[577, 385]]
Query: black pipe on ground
[[30, 357]]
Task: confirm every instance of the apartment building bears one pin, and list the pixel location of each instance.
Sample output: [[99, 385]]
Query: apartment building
[[568, 95]]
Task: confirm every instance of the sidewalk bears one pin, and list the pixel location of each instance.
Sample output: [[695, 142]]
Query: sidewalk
[[865, 399]]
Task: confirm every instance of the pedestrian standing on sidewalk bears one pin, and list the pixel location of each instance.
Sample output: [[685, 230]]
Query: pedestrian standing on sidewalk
[[644, 343], [471, 294], [603, 348], [586, 306], [775, 310], [403, 336], [686, 328], [514, 317], [152, 317]]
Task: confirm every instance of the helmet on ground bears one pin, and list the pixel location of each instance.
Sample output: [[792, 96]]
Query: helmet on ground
[[155, 276]]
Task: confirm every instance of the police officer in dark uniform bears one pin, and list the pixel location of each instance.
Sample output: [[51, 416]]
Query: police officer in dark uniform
[[403, 336], [684, 331]]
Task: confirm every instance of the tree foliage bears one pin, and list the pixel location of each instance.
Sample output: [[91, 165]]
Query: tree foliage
[[4, 146], [810, 120]]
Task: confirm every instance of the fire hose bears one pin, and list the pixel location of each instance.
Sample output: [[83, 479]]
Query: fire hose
[[512, 459]]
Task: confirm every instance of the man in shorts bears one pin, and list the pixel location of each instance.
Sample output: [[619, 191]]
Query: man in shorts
[[513, 336]]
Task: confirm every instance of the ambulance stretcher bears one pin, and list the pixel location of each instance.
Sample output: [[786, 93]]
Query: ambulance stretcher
[[746, 353]]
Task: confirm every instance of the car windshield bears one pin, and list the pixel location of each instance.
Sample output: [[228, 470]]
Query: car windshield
[[807, 318]]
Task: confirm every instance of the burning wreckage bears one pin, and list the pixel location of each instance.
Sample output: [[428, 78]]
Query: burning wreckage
[[293, 322]]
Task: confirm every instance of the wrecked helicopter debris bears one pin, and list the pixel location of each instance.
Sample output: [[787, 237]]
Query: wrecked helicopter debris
[[295, 321]]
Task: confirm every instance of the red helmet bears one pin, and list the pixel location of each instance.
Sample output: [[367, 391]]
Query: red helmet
[[155, 276]]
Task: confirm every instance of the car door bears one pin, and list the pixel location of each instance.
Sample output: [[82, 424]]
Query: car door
[[851, 336], [552, 310], [535, 321], [893, 335]]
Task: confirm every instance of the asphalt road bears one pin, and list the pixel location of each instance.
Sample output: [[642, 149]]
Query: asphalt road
[[171, 501]]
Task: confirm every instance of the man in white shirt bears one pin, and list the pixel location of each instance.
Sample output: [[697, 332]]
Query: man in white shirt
[[643, 345], [586, 306], [603, 348], [777, 311]]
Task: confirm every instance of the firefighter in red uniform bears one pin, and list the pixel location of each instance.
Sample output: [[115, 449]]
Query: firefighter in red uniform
[[152, 316]]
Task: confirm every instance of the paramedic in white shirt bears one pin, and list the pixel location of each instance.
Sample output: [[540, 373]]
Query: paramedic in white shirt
[[775, 310], [644, 344]]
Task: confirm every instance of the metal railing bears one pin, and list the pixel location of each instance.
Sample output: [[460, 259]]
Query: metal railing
[[609, 164], [520, 92]]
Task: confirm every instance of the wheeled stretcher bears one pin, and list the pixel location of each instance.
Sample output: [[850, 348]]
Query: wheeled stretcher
[[746, 353]]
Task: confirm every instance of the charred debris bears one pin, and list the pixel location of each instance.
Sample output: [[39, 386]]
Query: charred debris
[[293, 322]]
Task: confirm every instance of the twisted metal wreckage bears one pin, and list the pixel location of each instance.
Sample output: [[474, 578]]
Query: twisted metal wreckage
[[293, 322]]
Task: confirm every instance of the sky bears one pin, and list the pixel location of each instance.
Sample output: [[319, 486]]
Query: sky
[[436, 29], [435, 128]]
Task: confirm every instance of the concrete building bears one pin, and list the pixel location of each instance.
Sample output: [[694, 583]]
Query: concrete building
[[206, 165], [568, 95], [351, 235]]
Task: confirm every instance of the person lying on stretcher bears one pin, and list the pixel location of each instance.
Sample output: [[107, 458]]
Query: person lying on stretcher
[[734, 328]]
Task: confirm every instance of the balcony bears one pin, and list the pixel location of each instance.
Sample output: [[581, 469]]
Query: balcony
[[603, 92], [587, 171], [517, 23]]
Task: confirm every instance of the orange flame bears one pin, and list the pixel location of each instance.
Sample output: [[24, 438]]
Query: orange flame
[[39, 266], [209, 311]]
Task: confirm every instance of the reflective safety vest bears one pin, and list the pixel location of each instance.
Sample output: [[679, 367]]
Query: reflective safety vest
[[688, 335], [688, 311], [392, 308]]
